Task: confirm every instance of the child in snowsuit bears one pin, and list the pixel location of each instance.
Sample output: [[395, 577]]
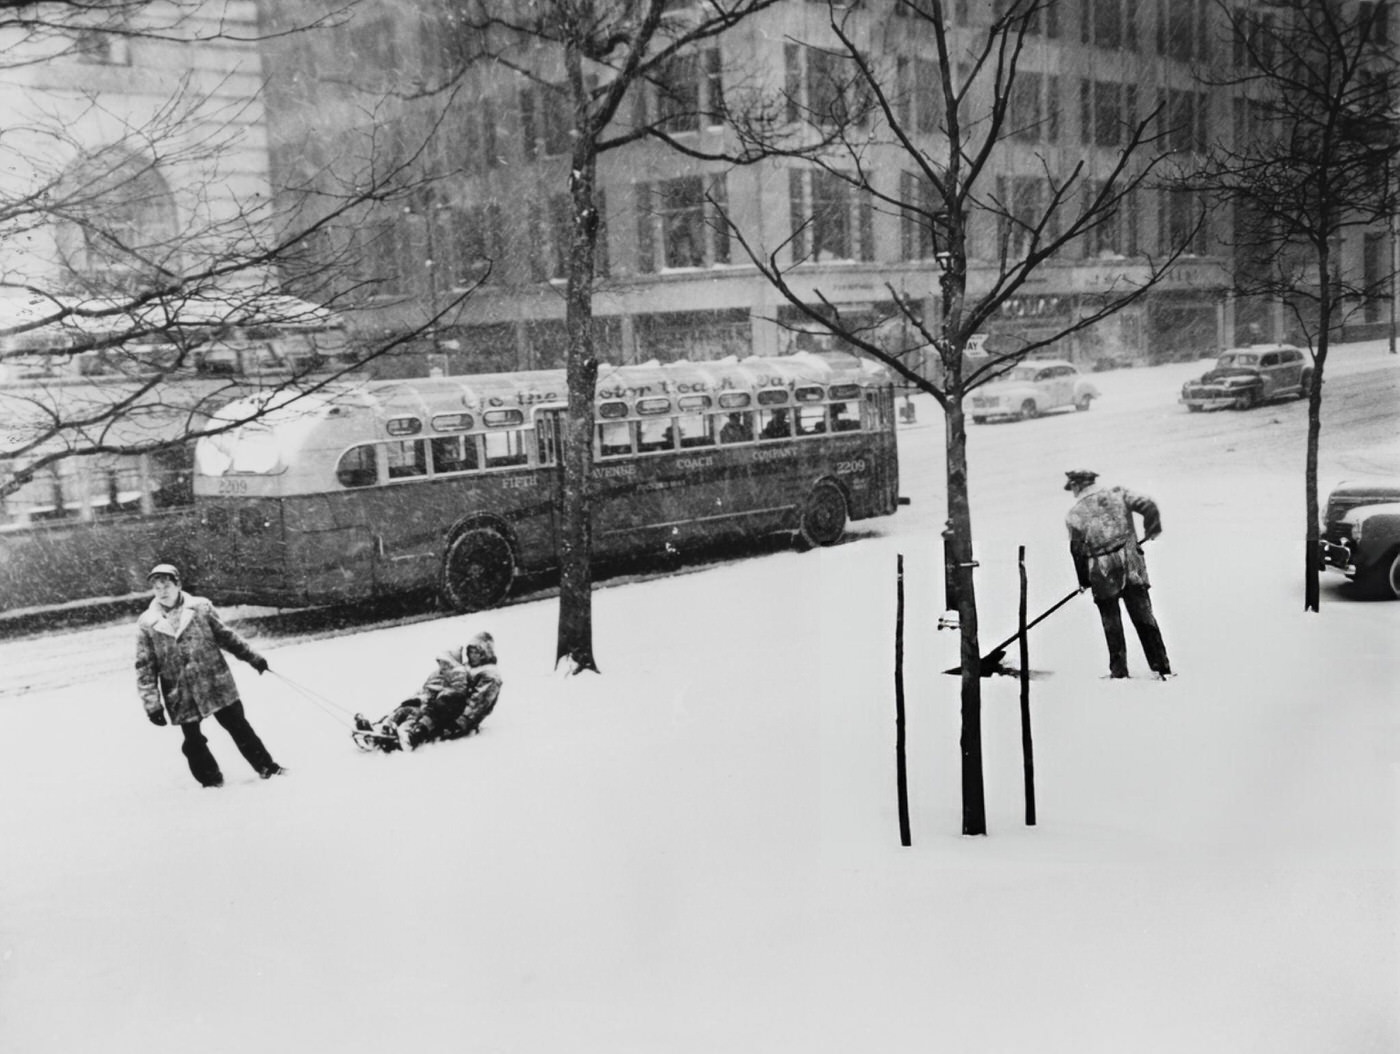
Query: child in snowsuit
[[453, 701]]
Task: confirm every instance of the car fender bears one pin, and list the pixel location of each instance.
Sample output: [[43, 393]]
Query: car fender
[[1377, 531]]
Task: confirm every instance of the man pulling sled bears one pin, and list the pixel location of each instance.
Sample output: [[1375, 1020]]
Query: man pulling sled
[[452, 703]]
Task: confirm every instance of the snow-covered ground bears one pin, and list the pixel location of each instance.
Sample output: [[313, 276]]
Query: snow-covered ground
[[698, 850]]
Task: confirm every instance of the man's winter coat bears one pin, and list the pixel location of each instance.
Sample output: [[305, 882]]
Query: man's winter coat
[[1103, 542], [183, 665]]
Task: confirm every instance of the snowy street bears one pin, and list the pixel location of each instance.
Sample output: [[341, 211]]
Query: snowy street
[[697, 852]]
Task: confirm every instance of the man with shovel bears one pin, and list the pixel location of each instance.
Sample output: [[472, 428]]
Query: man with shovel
[[1107, 558]]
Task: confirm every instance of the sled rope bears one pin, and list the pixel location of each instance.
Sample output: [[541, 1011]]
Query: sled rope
[[332, 709]]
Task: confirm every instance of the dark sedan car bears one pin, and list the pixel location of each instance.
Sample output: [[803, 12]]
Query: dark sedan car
[[1361, 534], [1245, 377]]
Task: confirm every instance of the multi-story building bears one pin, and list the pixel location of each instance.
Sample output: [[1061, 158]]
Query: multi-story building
[[672, 283], [134, 146]]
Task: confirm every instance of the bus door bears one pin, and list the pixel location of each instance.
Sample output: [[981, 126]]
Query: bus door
[[339, 551], [877, 409], [549, 440]]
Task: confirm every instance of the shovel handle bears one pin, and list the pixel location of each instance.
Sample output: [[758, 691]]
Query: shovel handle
[[1039, 618]]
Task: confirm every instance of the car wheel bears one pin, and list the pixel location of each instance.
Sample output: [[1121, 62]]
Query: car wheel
[[478, 569], [1028, 410], [1384, 580], [979, 420], [824, 516], [1083, 402], [1249, 400]]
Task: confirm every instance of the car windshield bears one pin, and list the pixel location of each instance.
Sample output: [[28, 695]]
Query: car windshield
[[1238, 359], [1021, 373]]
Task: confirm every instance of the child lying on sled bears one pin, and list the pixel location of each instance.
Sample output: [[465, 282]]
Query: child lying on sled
[[453, 701]]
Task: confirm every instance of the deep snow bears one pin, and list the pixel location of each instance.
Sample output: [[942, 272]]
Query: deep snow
[[698, 850]]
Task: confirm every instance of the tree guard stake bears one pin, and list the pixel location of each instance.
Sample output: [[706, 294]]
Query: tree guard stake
[[1027, 751], [901, 777]]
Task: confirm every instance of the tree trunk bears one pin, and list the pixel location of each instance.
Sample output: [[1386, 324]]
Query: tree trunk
[[575, 637], [974, 806], [1312, 591]]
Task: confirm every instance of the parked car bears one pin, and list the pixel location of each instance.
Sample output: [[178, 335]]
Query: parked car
[[1031, 388], [1361, 534], [1245, 377]]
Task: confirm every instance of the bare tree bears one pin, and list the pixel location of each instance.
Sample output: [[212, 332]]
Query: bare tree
[[137, 229], [621, 74], [1310, 162], [960, 132]]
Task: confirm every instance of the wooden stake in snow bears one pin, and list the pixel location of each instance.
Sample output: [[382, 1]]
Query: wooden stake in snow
[[1027, 752], [901, 772]]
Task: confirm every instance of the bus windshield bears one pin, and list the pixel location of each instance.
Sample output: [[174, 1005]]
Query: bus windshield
[[251, 449]]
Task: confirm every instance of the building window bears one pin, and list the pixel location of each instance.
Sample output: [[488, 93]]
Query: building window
[[1101, 23], [545, 121], [1034, 110], [560, 232], [678, 95], [101, 47], [471, 242], [823, 87], [918, 221], [1374, 21], [1114, 236], [1183, 29], [118, 232], [676, 223], [1022, 204], [1180, 222], [1253, 39], [1106, 109], [383, 251], [829, 221], [918, 103], [476, 144], [1044, 15], [681, 203], [1188, 118]]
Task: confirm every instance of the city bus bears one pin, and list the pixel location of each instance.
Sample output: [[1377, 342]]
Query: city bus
[[452, 484]]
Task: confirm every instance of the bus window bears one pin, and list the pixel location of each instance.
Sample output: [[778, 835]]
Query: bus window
[[505, 448], [356, 467], [738, 428], [844, 418], [406, 458], [811, 419], [772, 397], [655, 434], [774, 424], [614, 438], [452, 422], [733, 400], [696, 430], [454, 454]]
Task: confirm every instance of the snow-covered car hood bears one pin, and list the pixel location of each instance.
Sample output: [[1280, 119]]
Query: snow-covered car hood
[[1362, 513], [1367, 495]]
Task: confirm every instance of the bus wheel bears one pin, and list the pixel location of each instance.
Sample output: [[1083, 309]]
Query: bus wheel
[[478, 570], [824, 517]]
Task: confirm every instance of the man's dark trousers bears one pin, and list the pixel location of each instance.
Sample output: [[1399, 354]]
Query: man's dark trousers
[[1139, 606], [202, 763]]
